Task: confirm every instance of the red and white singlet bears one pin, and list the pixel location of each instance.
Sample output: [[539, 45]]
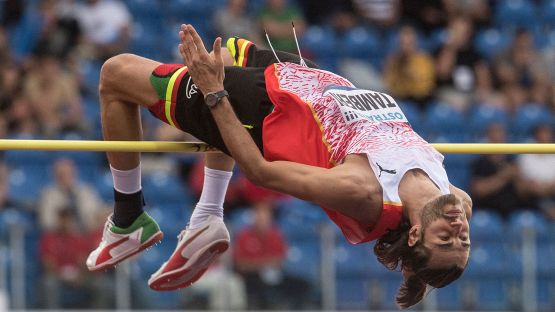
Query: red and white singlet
[[320, 117]]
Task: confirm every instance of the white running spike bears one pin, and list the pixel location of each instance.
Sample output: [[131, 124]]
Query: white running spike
[[271, 47], [302, 63]]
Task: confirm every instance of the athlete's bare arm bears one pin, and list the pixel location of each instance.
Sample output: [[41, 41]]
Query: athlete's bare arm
[[467, 201], [343, 188]]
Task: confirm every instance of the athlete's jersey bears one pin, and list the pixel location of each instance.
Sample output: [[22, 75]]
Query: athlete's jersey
[[319, 118]]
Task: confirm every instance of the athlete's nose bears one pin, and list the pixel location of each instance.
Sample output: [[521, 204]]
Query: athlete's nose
[[456, 223]]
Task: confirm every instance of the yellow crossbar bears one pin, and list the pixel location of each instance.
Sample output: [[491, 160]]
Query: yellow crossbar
[[193, 147]]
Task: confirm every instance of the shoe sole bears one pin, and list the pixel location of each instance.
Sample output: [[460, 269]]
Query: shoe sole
[[115, 261], [191, 271]]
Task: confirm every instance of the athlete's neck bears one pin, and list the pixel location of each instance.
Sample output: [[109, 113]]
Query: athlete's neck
[[416, 189]]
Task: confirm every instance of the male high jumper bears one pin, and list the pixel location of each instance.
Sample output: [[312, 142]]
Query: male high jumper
[[292, 128]]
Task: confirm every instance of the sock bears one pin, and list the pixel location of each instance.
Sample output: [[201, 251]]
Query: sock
[[127, 181], [128, 196], [212, 198], [127, 208]]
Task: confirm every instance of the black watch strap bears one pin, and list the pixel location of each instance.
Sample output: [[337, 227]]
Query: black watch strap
[[213, 98]]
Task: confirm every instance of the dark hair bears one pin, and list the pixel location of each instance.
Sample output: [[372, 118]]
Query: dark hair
[[393, 251]]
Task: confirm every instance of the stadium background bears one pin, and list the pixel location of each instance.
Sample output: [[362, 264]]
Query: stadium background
[[502, 88]]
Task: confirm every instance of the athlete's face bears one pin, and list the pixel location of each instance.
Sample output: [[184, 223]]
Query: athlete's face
[[445, 232]]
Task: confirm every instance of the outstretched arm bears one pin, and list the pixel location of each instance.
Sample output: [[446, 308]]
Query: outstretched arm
[[335, 189]]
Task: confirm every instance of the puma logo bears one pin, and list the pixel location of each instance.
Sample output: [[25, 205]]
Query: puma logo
[[190, 88], [393, 171]]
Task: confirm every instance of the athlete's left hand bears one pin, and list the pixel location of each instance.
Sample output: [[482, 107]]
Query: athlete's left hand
[[206, 70]]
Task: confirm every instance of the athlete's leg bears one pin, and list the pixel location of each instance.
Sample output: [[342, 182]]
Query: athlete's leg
[[206, 237], [124, 87]]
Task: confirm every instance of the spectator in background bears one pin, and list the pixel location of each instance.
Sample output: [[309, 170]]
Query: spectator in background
[[54, 96], [66, 281], [68, 191], [478, 11], [381, 13], [495, 180], [322, 11], [409, 72], [233, 20], [60, 33], [429, 16], [10, 85], [276, 18], [538, 174], [520, 62], [459, 67], [221, 288], [259, 253], [5, 57], [106, 26]]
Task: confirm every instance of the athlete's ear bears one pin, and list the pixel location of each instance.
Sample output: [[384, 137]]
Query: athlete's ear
[[414, 235]]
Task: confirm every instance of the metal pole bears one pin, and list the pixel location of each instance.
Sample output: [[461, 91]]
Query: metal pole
[[529, 274], [327, 267], [123, 286], [17, 257], [430, 302], [4, 302]]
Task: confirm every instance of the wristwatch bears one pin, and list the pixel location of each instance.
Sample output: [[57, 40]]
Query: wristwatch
[[213, 98]]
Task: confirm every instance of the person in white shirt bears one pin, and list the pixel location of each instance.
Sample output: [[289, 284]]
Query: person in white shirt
[[106, 26]]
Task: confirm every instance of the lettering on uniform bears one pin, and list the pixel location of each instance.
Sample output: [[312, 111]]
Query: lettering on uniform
[[358, 104]]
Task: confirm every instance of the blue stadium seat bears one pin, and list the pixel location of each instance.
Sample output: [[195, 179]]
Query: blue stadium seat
[[298, 212], [352, 293], [239, 219], [548, 14], [182, 10], [145, 9], [103, 184], [515, 13], [458, 168], [26, 183], [444, 122], [321, 42], [437, 39], [413, 115], [482, 116], [528, 219], [90, 72], [491, 41], [359, 43], [303, 260], [545, 293], [491, 294], [300, 232], [483, 259], [545, 252], [486, 226], [450, 297], [171, 220], [353, 260], [389, 286], [164, 187], [146, 39], [527, 117]]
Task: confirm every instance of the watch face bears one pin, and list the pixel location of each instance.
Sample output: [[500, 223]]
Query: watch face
[[211, 100]]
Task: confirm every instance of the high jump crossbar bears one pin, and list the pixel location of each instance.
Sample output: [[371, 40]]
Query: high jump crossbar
[[196, 147]]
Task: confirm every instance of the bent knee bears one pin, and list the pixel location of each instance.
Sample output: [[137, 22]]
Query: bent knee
[[126, 77], [113, 70]]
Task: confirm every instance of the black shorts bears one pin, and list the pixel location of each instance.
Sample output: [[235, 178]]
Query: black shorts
[[182, 104]]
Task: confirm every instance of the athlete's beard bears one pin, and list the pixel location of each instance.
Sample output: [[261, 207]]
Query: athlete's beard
[[433, 210]]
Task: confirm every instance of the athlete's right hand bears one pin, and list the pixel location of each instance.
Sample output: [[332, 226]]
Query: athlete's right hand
[[207, 71]]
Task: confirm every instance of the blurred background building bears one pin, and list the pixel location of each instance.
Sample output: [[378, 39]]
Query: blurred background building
[[463, 71]]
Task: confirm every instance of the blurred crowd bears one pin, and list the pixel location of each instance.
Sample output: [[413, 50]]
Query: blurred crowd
[[463, 71]]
